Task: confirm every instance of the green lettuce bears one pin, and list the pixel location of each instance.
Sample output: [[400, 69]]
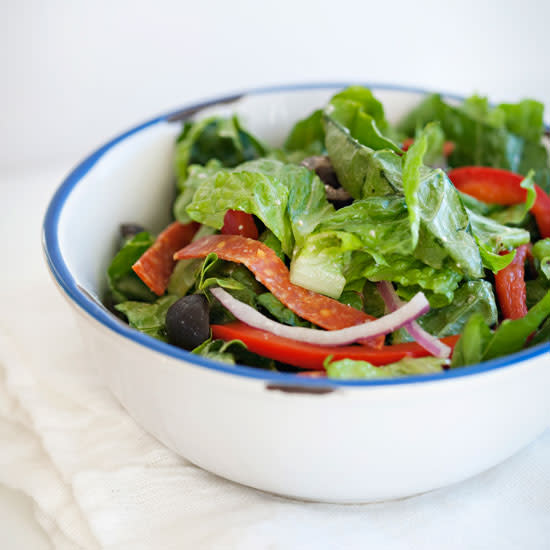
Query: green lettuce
[[507, 136], [307, 136], [281, 313], [215, 138], [290, 200], [356, 109], [196, 174], [432, 201], [232, 352], [479, 343], [472, 297], [349, 369], [148, 318], [124, 284]]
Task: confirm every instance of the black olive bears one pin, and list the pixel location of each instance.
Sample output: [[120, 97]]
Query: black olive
[[129, 230], [322, 166], [187, 321]]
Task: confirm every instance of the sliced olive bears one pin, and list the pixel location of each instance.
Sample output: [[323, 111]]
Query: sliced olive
[[187, 321], [322, 166]]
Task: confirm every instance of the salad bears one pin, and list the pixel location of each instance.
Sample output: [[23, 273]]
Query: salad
[[358, 249]]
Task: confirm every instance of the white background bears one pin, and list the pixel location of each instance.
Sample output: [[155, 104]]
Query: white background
[[74, 73]]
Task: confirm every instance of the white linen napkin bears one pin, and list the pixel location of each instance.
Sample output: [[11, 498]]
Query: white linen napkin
[[99, 481]]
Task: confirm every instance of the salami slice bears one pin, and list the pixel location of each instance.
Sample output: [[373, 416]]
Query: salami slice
[[271, 271], [157, 263]]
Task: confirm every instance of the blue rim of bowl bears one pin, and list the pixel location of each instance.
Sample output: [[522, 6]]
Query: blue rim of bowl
[[82, 299]]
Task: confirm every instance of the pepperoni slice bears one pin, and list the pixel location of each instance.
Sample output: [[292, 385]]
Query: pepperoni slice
[[157, 263], [271, 271]]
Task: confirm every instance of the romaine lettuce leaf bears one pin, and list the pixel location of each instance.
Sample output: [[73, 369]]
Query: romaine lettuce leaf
[[290, 200], [279, 311], [478, 343], [307, 136], [346, 369], [493, 238], [269, 239], [472, 297], [215, 138], [507, 136], [232, 351], [124, 284], [435, 203], [362, 171], [148, 318], [321, 262], [362, 125], [196, 174]]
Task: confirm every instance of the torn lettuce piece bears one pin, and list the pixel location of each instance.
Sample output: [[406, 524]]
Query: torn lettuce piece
[[269, 239], [148, 318], [412, 166], [478, 343], [184, 276], [381, 223], [412, 276], [507, 136], [319, 265], [215, 138], [281, 313], [307, 137], [435, 203], [542, 335], [349, 369], [494, 238], [290, 200], [357, 110], [472, 297], [196, 174], [232, 352], [123, 283], [361, 171], [541, 253]]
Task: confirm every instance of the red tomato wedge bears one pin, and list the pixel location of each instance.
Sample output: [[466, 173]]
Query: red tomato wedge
[[492, 185], [271, 271], [240, 223], [157, 263], [510, 286], [309, 356]]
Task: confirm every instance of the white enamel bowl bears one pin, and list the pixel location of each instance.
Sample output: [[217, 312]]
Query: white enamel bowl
[[314, 439]]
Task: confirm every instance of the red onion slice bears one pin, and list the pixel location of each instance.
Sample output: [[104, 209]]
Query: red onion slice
[[397, 319], [429, 342]]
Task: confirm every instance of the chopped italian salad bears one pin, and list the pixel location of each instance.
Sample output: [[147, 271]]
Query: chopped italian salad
[[358, 249]]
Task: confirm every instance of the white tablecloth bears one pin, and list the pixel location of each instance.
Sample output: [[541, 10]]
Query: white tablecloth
[[98, 481]]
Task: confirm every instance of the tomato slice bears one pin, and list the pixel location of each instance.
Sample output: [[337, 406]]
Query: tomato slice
[[310, 356], [492, 185], [510, 286], [157, 263], [240, 223], [271, 271]]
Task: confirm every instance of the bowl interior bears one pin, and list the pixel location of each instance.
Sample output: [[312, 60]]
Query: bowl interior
[[131, 179]]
